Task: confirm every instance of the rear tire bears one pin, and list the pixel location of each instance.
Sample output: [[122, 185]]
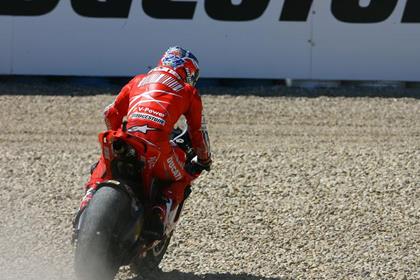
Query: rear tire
[[97, 248]]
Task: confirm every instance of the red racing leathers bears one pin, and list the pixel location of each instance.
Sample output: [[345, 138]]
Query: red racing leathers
[[153, 103]]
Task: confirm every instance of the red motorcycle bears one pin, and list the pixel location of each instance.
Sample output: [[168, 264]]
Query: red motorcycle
[[109, 233]]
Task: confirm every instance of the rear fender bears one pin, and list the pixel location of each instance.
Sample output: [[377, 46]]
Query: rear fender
[[147, 152], [135, 203]]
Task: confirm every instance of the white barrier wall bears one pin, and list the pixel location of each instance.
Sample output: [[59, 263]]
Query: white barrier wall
[[389, 50], [6, 40], [300, 39]]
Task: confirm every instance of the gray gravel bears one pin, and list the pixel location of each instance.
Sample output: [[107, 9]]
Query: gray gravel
[[302, 188]]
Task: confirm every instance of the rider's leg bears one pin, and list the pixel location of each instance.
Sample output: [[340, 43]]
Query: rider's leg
[[170, 168]]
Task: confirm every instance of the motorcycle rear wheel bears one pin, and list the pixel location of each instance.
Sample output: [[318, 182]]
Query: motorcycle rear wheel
[[97, 248]]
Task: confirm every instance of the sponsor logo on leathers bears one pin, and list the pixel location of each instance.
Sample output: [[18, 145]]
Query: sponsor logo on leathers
[[148, 117]]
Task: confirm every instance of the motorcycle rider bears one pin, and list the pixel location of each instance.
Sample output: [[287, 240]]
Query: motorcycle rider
[[152, 104]]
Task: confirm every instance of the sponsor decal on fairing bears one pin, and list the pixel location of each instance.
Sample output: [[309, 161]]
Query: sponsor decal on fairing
[[175, 172]]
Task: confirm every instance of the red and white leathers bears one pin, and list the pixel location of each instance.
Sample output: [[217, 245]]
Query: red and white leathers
[[153, 103]]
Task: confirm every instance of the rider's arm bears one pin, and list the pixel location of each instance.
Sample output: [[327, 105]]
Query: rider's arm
[[197, 128], [116, 111]]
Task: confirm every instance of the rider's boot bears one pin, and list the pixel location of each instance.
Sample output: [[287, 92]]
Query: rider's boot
[[164, 212], [155, 229]]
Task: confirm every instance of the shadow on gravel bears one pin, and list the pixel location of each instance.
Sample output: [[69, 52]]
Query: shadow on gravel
[[86, 86], [342, 91], [178, 275]]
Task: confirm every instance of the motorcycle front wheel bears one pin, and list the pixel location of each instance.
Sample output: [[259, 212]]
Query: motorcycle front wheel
[[149, 264]]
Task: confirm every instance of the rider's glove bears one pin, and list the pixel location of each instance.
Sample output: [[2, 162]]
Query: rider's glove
[[202, 164], [196, 166]]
